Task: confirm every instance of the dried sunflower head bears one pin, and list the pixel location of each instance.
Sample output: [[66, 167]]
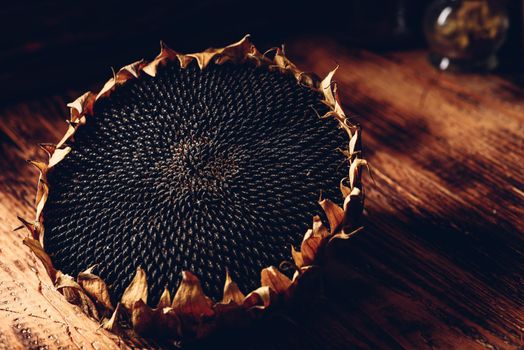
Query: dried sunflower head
[[206, 165]]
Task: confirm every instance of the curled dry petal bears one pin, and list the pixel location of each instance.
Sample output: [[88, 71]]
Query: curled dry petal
[[124, 74], [190, 299], [76, 295], [37, 249], [112, 323], [312, 240], [169, 322], [31, 227], [81, 106], [345, 190], [354, 141], [354, 168], [327, 90], [96, 288], [142, 317], [232, 293], [297, 257], [165, 299], [166, 54], [260, 298], [71, 129], [345, 236], [137, 290], [48, 148], [238, 51], [58, 155], [274, 279], [318, 228], [334, 213]]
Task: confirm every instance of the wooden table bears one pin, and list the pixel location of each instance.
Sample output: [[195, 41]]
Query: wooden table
[[440, 265]]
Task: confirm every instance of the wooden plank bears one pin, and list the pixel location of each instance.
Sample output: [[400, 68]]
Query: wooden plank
[[446, 211]]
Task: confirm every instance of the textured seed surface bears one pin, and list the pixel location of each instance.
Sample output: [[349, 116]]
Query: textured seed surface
[[193, 170]]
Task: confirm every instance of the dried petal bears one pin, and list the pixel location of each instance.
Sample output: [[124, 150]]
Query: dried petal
[[112, 324], [327, 90], [142, 317], [353, 142], [318, 227], [345, 190], [345, 236], [165, 299], [96, 288], [30, 226], [58, 155], [190, 298], [170, 322], [353, 170], [37, 249], [309, 247], [75, 295], [137, 290], [275, 279], [232, 293], [260, 297], [297, 257], [166, 54], [124, 74], [334, 213], [82, 105]]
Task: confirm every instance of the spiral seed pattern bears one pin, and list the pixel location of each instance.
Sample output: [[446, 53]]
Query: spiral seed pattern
[[199, 170]]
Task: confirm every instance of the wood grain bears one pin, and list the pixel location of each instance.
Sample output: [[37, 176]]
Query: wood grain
[[440, 265]]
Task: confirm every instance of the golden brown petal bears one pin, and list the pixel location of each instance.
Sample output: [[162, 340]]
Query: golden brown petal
[[232, 293], [137, 290], [334, 213], [297, 257], [274, 279], [76, 295], [353, 170], [112, 324], [260, 298], [238, 51], [170, 322], [326, 86], [166, 54], [345, 190], [309, 247], [30, 226], [58, 155], [165, 299], [190, 299], [142, 317], [37, 249], [343, 235], [124, 74], [96, 288], [82, 105], [318, 227]]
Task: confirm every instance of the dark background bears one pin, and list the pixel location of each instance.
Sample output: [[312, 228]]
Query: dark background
[[51, 46]]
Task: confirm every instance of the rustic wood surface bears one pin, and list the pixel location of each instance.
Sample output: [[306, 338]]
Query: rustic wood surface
[[440, 265]]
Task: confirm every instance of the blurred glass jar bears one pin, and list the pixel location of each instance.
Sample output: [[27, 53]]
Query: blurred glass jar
[[464, 35]]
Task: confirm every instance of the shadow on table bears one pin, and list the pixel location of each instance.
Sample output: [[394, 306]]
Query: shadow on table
[[416, 275]]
